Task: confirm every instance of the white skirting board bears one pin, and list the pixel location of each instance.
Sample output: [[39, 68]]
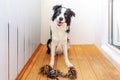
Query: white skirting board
[[112, 53]]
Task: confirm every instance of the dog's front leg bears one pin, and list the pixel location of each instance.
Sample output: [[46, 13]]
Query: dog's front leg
[[52, 54], [66, 55]]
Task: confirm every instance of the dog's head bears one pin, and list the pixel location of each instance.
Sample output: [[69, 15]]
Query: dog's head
[[62, 15]]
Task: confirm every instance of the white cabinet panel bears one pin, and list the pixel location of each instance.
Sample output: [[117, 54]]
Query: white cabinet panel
[[31, 40], [13, 45], [3, 41], [27, 43], [3, 51], [13, 51], [21, 47]]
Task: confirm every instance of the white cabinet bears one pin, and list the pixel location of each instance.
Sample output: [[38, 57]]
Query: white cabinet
[[19, 35], [21, 47], [13, 39], [3, 50], [3, 41], [13, 51], [27, 43]]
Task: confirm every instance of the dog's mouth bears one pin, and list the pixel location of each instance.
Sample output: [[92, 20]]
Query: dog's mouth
[[59, 23]]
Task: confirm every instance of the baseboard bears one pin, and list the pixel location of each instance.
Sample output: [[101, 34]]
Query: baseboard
[[28, 63], [112, 54]]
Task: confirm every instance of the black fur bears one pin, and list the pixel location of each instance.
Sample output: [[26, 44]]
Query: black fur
[[68, 30], [56, 7], [57, 11], [68, 14], [48, 46]]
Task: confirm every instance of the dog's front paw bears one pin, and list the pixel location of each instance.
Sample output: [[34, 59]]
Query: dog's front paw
[[51, 64], [69, 64]]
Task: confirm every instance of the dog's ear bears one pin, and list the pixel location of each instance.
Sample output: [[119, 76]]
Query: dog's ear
[[56, 7], [72, 13]]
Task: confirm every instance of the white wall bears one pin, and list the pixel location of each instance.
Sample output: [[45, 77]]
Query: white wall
[[82, 26], [100, 30], [101, 35]]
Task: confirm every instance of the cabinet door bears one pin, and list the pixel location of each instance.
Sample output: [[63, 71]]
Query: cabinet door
[[21, 47], [3, 51], [3, 41], [13, 39], [27, 43], [13, 53]]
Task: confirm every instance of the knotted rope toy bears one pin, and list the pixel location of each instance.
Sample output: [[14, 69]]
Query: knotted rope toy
[[54, 74]]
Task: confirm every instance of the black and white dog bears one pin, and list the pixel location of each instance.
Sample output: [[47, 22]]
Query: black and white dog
[[59, 30]]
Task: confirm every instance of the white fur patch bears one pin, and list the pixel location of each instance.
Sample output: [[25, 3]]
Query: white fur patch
[[61, 15], [59, 36]]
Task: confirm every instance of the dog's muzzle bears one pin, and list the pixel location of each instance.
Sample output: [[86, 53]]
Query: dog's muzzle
[[59, 23]]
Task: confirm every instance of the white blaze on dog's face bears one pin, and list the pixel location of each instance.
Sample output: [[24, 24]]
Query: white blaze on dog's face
[[60, 20], [62, 15]]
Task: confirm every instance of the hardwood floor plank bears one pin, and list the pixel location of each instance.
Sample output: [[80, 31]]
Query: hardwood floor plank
[[45, 62], [110, 68], [96, 64], [38, 64], [31, 65], [75, 61], [35, 69], [86, 70], [61, 65]]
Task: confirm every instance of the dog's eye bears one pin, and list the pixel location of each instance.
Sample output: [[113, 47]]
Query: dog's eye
[[58, 12], [65, 15]]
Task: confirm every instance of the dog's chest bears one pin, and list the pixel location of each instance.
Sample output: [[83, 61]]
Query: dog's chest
[[59, 33], [59, 37]]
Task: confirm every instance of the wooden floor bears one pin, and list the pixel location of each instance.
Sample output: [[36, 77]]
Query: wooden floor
[[89, 62]]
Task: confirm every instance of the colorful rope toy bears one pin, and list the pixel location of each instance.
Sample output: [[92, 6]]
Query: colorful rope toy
[[54, 74]]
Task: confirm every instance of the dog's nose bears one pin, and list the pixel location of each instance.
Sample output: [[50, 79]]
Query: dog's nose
[[60, 18]]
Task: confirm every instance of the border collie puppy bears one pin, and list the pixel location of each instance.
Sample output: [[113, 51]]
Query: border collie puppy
[[59, 30]]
